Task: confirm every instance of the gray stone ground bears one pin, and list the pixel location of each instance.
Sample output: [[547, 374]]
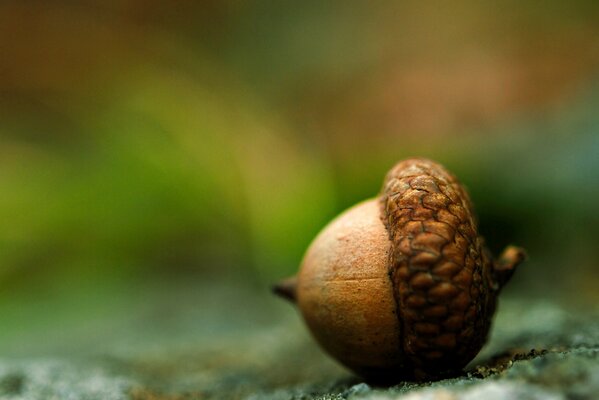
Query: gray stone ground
[[228, 342]]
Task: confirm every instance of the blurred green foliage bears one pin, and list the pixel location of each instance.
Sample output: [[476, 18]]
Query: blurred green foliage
[[146, 141]]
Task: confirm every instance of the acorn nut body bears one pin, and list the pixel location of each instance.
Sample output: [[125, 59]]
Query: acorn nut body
[[401, 287]]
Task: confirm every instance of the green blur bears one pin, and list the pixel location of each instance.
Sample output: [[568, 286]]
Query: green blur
[[150, 142]]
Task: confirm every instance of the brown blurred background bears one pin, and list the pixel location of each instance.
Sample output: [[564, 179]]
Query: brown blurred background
[[148, 143]]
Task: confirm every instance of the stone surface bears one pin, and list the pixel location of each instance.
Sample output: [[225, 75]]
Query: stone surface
[[54, 379], [232, 342]]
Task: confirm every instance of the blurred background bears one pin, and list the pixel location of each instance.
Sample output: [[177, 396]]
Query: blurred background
[[152, 152]]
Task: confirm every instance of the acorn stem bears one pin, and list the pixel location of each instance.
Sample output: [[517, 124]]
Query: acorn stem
[[287, 289], [505, 265]]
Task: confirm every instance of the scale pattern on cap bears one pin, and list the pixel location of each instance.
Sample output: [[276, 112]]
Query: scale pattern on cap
[[438, 266]]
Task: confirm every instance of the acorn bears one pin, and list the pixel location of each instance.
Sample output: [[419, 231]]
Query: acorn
[[402, 287]]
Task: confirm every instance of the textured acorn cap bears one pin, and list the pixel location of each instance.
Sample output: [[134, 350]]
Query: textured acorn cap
[[345, 294]]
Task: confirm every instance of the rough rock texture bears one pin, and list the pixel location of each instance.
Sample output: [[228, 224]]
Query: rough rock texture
[[225, 341], [54, 379]]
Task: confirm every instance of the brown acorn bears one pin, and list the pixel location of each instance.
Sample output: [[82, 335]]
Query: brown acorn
[[402, 287]]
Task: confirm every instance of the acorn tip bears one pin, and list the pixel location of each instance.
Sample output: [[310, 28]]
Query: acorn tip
[[287, 289]]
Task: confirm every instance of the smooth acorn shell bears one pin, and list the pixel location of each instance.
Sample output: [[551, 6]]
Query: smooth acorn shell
[[345, 295], [402, 286]]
